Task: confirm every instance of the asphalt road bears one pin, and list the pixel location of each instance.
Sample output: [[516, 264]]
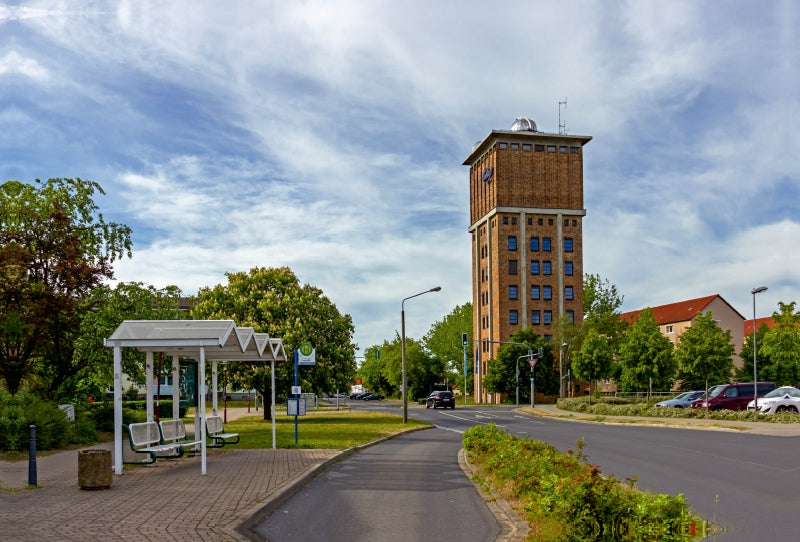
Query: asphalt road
[[407, 488], [744, 483]]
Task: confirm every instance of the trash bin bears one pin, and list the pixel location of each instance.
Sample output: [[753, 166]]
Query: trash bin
[[94, 469]]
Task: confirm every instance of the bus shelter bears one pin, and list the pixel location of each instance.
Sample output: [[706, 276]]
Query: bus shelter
[[202, 340]]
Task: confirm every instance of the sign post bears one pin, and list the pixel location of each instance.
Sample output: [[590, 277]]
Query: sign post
[[305, 355]]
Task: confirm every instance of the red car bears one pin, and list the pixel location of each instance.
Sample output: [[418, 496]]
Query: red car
[[732, 396]]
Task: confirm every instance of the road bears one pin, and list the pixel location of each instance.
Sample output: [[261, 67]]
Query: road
[[746, 484]]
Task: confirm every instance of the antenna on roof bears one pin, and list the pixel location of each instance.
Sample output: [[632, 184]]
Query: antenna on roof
[[562, 128]]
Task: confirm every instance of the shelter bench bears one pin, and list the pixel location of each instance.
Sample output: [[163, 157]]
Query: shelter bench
[[145, 438], [217, 433], [174, 432]]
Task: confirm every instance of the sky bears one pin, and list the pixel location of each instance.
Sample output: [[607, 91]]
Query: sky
[[329, 137]]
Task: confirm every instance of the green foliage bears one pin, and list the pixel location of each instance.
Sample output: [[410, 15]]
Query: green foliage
[[55, 247], [593, 361], [53, 430], [745, 372], [101, 413], [601, 303], [704, 353], [588, 505], [443, 343], [501, 377], [646, 354], [272, 300], [781, 347]]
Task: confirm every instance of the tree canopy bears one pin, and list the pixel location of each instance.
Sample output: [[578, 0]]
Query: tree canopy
[[704, 354], [501, 376], [443, 342], [646, 356], [781, 348], [595, 358], [55, 248], [273, 301]]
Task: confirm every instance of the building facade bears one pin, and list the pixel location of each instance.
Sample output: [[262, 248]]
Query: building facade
[[526, 217]]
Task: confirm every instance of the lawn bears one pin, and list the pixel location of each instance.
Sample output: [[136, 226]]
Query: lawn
[[329, 430]]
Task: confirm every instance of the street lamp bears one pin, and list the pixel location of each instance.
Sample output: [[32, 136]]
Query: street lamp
[[403, 347], [755, 291]]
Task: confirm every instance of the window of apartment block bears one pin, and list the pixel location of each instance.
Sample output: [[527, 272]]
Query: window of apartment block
[[538, 148], [547, 268], [547, 292], [536, 317], [669, 329], [534, 267], [562, 149], [535, 292], [513, 317], [512, 242], [512, 267], [548, 317], [512, 291], [546, 244], [569, 292], [568, 268], [568, 244], [570, 316]]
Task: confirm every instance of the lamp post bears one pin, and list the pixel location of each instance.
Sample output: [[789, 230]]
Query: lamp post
[[403, 347], [755, 291]]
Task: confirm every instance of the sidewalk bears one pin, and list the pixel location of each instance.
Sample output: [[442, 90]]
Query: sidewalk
[[168, 500], [757, 428]]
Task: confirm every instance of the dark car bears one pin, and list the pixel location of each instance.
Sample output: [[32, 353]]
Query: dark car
[[441, 399], [372, 397], [732, 396]]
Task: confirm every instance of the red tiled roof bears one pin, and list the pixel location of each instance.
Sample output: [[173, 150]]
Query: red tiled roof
[[683, 311], [748, 324]]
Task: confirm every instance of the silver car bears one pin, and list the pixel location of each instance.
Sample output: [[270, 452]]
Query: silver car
[[684, 400]]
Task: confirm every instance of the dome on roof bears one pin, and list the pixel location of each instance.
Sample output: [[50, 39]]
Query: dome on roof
[[524, 124]]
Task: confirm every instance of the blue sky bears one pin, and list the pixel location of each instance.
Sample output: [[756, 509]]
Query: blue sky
[[328, 136]]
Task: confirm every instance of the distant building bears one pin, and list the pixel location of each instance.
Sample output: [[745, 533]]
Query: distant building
[[526, 216]]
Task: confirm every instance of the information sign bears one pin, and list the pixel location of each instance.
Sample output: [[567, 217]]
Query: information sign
[[296, 407], [306, 355]]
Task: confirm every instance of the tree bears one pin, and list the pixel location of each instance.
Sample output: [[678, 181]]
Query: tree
[[443, 341], [601, 304], [593, 361], [109, 307], [374, 372], [745, 372], [704, 353], [782, 346], [55, 248], [646, 356], [271, 300], [501, 376]]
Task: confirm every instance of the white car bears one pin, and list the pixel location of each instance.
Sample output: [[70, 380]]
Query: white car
[[783, 399]]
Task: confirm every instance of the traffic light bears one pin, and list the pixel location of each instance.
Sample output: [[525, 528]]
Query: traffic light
[[464, 339], [541, 353]]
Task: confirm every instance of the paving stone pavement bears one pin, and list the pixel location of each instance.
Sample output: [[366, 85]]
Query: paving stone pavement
[[167, 501]]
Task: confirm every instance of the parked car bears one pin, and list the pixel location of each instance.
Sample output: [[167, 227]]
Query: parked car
[[732, 396], [441, 399], [684, 400], [783, 399], [372, 397]]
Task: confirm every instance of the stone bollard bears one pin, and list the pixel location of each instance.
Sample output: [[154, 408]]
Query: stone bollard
[[94, 469]]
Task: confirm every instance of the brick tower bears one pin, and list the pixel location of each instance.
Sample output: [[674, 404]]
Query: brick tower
[[526, 213]]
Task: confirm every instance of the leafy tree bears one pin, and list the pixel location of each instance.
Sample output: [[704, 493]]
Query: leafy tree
[[567, 338], [374, 373], [501, 375], [646, 354], [422, 370], [272, 300], [704, 353], [55, 248], [745, 372], [443, 341], [594, 360], [109, 307], [782, 346], [601, 304]]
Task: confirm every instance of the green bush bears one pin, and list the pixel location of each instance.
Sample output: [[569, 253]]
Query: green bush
[[102, 412], [53, 429], [554, 487]]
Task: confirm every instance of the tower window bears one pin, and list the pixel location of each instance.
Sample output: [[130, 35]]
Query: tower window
[[575, 150], [568, 292], [568, 244], [513, 220], [534, 292], [546, 244], [512, 267], [538, 148], [562, 149], [505, 220], [568, 268], [541, 221], [551, 148], [547, 268], [536, 317], [512, 242], [549, 221], [515, 147], [547, 292], [534, 267], [548, 317], [513, 317], [574, 222], [512, 291], [503, 145], [526, 146], [534, 244], [530, 222]]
